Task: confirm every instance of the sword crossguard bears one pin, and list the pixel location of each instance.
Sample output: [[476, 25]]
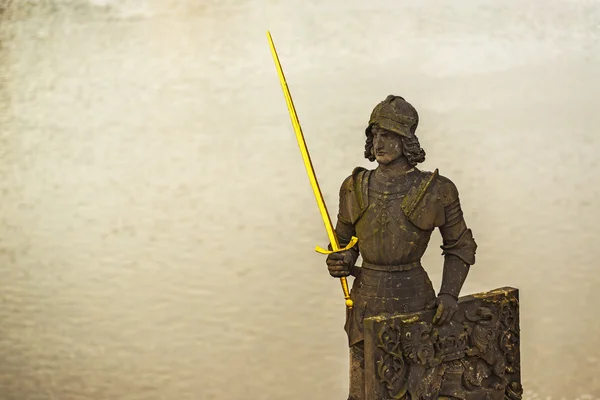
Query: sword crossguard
[[350, 245]]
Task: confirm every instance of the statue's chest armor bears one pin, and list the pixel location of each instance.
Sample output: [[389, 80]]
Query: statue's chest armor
[[385, 220], [385, 233]]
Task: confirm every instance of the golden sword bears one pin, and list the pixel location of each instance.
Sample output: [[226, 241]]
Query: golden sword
[[311, 174]]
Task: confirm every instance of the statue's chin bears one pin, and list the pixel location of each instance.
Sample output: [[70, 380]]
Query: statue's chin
[[384, 160]]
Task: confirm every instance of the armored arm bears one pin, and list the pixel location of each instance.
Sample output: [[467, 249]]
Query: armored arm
[[342, 263], [344, 231], [458, 244], [344, 228]]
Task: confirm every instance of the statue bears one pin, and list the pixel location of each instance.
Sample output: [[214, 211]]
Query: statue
[[393, 210], [406, 342]]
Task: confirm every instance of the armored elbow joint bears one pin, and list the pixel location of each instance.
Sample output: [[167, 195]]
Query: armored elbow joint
[[464, 248]]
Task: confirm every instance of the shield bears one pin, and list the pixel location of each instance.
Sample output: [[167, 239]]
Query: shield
[[473, 357]]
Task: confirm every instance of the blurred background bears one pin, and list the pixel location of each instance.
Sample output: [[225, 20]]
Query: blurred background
[[156, 224]]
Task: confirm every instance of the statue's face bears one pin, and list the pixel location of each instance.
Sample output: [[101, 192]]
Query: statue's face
[[387, 145]]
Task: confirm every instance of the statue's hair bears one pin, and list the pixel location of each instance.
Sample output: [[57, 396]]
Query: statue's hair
[[411, 148]]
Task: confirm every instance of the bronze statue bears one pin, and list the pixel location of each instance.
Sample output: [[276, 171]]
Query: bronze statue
[[406, 342], [393, 210]]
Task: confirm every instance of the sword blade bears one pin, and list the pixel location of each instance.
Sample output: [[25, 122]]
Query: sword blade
[[312, 177]]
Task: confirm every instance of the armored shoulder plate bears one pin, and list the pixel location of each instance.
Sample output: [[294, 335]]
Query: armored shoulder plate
[[412, 200], [354, 198], [422, 205], [360, 178]]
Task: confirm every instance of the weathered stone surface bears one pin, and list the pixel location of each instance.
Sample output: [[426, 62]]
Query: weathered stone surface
[[476, 356]]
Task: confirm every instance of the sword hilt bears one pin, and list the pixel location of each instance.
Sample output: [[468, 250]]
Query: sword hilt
[[343, 280]]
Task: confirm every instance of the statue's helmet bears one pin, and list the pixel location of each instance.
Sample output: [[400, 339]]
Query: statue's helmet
[[396, 115]]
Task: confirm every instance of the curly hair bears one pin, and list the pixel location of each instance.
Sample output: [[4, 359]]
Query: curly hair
[[411, 148]]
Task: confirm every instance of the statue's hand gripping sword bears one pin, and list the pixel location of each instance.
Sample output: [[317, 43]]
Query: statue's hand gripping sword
[[311, 174]]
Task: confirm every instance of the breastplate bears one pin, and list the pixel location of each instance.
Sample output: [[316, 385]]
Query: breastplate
[[385, 235]]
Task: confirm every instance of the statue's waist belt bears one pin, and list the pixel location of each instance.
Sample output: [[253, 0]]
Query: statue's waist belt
[[391, 268]]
